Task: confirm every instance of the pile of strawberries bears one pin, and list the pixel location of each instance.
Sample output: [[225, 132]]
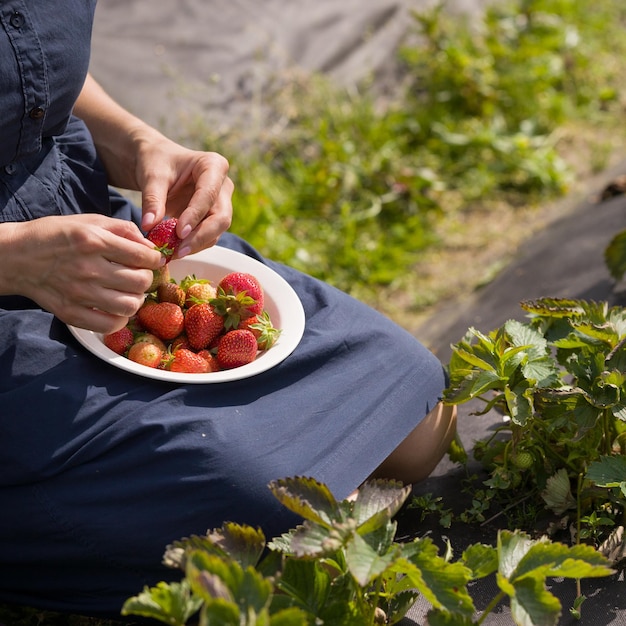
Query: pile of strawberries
[[195, 327]]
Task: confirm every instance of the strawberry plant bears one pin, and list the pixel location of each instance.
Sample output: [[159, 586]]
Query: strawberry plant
[[560, 380], [342, 566]]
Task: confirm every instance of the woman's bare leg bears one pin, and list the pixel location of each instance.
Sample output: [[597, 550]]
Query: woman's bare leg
[[418, 455]]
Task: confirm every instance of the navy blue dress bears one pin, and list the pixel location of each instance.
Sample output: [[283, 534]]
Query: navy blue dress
[[100, 469]]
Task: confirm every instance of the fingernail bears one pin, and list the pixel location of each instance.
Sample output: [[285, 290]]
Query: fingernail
[[182, 252], [186, 230]]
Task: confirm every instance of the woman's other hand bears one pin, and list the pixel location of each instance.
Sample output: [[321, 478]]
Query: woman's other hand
[[91, 271]]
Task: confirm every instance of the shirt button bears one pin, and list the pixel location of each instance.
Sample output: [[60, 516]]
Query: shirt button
[[17, 20], [10, 169], [36, 113]]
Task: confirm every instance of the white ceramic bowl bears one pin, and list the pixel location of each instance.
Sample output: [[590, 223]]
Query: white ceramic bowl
[[281, 302]]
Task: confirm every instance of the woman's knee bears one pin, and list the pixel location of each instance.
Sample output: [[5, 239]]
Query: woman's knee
[[418, 455]]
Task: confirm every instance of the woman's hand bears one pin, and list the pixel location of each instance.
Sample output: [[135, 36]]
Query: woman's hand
[[91, 271], [174, 181], [188, 184]]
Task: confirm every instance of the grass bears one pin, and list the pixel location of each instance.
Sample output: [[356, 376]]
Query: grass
[[409, 198]]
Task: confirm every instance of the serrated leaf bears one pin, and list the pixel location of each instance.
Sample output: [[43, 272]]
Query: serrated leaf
[[511, 546], [308, 498], [471, 386], [546, 559], [292, 616], [240, 542], [615, 255], [304, 581], [309, 540], [364, 563], [443, 584], [608, 471], [533, 605], [482, 560], [520, 404], [558, 494], [170, 603], [472, 359], [377, 501], [553, 307]]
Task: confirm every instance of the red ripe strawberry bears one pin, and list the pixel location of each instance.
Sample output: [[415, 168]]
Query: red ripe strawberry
[[214, 366], [236, 348], [146, 353], [239, 295], [202, 325], [163, 319], [164, 237], [171, 292], [120, 340], [186, 361], [261, 327]]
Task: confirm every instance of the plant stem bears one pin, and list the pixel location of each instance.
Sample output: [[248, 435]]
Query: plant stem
[[490, 607]]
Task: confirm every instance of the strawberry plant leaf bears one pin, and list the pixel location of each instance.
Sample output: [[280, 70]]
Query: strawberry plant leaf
[[520, 404], [310, 539], [549, 559], [170, 603], [377, 502], [364, 562], [481, 560], [443, 584], [533, 605], [608, 471], [308, 498], [304, 582], [289, 617], [471, 386], [244, 544], [558, 493], [615, 255]]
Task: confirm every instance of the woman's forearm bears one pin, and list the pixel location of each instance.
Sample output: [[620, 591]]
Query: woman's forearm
[[115, 131]]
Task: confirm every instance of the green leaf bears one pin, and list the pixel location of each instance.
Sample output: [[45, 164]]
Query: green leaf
[[608, 471], [310, 539], [511, 546], [533, 605], [471, 386], [303, 581], [364, 563], [242, 543], [482, 560], [289, 617], [170, 603], [377, 501], [615, 255], [443, 584], [308, 498], [558, 493]]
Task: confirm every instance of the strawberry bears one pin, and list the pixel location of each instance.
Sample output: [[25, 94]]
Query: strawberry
[[159, 276], [153, 339], [202, 325], [236, 348], [197, 290], [164, 237], [145, 353], [120, 340], [171, 292], [163, 319], [214, 366], [239, 295], [183, 360], [261, 327]]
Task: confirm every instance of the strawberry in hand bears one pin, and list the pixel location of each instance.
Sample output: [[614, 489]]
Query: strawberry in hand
[[164, 238]]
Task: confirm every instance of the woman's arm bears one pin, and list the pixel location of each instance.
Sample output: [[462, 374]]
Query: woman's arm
[[174, 181]]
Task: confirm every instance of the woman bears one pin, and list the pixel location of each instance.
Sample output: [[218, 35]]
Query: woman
[[101, 469]]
